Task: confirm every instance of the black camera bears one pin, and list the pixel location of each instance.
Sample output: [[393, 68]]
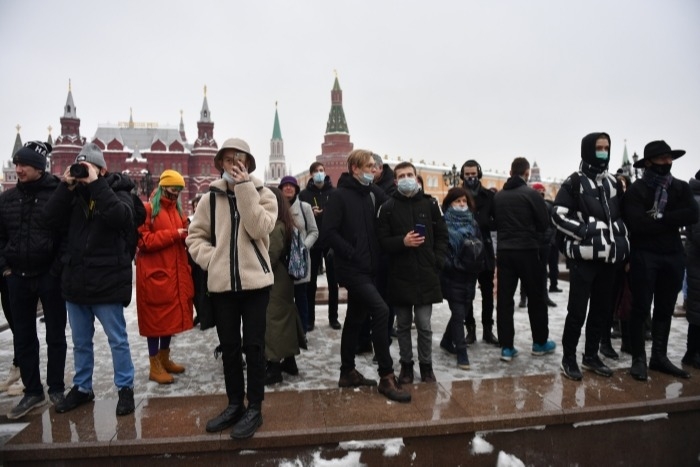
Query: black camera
[[78, 170]]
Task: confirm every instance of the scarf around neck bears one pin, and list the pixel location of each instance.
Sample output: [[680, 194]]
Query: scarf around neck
[[661, 183], [460, 225]]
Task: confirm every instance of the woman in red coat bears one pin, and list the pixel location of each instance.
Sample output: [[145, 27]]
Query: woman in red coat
[[164, 289]]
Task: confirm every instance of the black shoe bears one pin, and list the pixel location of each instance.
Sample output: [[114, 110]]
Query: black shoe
[[607, 350], [448, 346], [249, 423], [426, 373], [663, 364], [406, 374], [490, 337], [289, 366], [25, 405], [335, 325], [228, 417], [550, 303], [639, 368], [523, 303], [73, 399], [595, 365], [471, 334], [354, 379], [125, 405], [691, 359], [555, 289], [57, 397], [570, 368], [273, 373], [311, 328]]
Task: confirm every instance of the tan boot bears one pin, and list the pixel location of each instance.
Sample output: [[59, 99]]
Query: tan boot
[[169, 365], [158, 373]]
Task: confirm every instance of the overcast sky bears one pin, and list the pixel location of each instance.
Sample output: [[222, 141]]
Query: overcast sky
[[439, 81]]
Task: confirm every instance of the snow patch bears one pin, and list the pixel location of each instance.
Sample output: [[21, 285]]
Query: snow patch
[[511, 430], [508, 460], [246, 452], [392, 446], [641, 418], [351, 459], [481, 446], [12, 428]]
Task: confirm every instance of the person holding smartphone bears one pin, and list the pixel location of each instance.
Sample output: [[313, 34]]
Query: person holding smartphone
[[412, 231]]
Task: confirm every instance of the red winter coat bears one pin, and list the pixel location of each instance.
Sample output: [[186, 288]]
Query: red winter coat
[[164, 289]]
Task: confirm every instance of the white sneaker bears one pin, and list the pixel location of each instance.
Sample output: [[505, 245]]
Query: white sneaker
[[12, 376], [16, 389]]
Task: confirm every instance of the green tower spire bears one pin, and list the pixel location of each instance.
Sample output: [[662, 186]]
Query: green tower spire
[[336, 118], [276, 132]]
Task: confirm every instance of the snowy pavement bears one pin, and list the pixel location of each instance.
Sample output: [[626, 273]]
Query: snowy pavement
[[319, 365]]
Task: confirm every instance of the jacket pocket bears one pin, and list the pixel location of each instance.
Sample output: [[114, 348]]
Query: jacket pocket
[[261, 259]]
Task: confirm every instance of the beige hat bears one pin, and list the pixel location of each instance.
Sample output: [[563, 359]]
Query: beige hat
[[239, 145]]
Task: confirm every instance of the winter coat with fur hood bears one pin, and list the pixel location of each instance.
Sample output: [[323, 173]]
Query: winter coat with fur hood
[[245, 214]]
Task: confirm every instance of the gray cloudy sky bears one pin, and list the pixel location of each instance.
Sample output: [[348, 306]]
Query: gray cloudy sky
[[442, 81]]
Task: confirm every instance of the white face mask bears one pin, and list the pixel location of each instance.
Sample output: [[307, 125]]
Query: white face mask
[[319, 177], [228, 177], [366, 178], [408, 186]]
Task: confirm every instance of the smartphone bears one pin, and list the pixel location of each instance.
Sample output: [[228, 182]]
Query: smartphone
[[419, 229]]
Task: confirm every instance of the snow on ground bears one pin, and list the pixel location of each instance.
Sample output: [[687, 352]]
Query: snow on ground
[[319, 365]]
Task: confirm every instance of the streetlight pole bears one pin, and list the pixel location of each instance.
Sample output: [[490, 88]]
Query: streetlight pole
[[452, 177]]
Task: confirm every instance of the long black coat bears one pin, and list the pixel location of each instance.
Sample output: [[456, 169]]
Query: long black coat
[[318, 197], [692, 250], [28, 245], [414, 273], [96, 261]]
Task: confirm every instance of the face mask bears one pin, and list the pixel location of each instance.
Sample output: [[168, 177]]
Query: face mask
[[228, 177], [660, 169], [366, 178], [464, 208], [319, 177], [408, 186], [471, 182], [602, 155]]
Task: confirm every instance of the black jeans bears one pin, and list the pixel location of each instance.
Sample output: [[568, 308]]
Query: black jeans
[[485, 280], [364, 300], [553, 262], [589, 280], [317, 255], [657, 278], [250, 307], [25, 293], [524, 265]]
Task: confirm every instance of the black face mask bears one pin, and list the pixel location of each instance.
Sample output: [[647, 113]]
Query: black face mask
[[660, 169]]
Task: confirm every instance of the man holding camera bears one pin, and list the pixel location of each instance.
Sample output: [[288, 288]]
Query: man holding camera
[[97, 209], [29, 265]]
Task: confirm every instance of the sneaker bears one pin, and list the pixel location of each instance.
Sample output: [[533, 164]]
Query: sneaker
[[249, 423], [543, 349], [27, 403], [125, 405], [12, 376], [570, 368], [56, 397], [463, 359], [508, 353], [354, 379], [595, 365], [73, 399], [231, 414], [16, 388]]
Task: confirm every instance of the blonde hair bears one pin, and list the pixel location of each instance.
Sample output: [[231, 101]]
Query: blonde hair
[[358, 158]]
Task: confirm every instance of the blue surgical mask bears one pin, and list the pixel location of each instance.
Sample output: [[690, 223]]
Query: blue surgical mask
[[602, 155], [366, 178], [408, 186], [319, 177]]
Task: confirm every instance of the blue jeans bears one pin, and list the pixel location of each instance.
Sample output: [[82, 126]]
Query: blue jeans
[[82, 322]]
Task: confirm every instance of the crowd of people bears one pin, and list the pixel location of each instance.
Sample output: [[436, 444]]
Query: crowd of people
[[70, 243]]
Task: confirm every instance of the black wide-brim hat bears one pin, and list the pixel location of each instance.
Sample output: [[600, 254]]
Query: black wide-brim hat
[[658, 148]]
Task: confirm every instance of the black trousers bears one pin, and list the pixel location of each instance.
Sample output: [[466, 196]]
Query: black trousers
[[657, 278], [590, 280], [230, 309], [25, 293], [525, 266], [318, 255], [364, 300], [485, 279], [553, 263]]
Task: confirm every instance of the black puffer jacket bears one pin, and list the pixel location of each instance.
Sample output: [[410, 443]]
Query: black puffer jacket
[[414, 273], [96, 261], [386, 180], [349, 229], [318, 197], [521, 216], [692, 259], [27, 245]]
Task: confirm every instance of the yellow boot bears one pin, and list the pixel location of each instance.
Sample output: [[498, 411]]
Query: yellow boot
[[158, 373], [169, 365]]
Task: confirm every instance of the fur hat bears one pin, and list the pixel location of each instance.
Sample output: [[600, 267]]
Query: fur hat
[[658, 148], [289, 180], [239, 145], [93, 154], [171, 178], [33, 153]]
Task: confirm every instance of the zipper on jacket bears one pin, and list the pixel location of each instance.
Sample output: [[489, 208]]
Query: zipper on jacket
[[265, 267]]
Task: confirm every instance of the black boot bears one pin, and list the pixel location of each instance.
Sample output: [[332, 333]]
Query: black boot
[[692, 354], [406, 374], [471, 334], [659, 344], [273, 373], [639, 368], [626, 345], [248, 425], [489, 336], [289, 366], [426, 373]]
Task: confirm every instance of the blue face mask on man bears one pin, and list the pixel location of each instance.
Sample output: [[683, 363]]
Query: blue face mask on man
[[319, 177], [408, 186], [366, 178]]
